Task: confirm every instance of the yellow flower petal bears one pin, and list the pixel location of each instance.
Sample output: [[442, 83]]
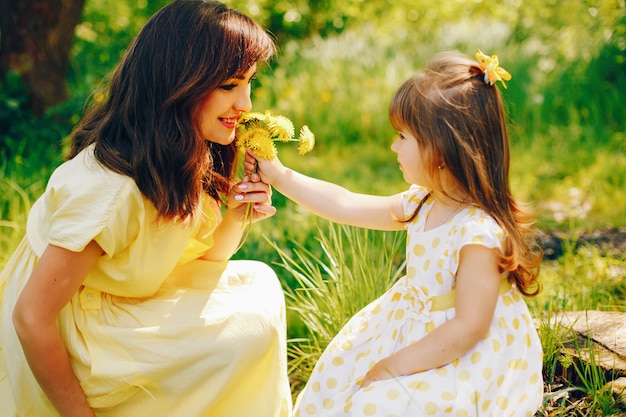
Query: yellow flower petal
[[280, 127], [306, 141], [491, 66]]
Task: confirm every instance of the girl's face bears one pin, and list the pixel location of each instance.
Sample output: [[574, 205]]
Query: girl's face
[[218, 112], [410, 158]]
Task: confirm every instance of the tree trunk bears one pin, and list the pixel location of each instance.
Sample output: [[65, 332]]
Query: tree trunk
[[36, 37]]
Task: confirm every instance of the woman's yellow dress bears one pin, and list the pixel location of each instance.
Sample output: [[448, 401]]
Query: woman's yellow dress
[[155, 330]]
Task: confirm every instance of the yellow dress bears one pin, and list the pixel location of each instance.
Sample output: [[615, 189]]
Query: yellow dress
[[154, 331]]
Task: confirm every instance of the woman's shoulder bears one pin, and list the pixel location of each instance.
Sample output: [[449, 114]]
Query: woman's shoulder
[[84, 173]]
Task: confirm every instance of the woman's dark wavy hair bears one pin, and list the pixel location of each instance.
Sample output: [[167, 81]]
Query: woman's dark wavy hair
[[144, 128], [459, 121]]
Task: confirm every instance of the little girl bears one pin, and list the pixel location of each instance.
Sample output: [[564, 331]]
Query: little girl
[[453, 337], [121, 300]]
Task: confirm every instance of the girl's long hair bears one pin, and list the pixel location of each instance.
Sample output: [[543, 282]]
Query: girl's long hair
[[459, 121], [144, 128]]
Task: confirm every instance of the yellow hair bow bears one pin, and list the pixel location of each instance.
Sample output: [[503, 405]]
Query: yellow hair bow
[[493, 71]]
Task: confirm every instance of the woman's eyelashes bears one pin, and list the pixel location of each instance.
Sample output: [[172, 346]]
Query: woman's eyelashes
[[230, 85]]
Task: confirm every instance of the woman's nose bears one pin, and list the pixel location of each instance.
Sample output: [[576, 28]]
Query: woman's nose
[[244, 103]]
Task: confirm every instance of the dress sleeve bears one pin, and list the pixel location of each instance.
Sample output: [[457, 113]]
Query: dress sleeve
[[412, 197], [92, 204], [481, 229]]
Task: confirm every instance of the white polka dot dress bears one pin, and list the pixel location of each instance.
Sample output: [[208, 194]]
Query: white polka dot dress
[[500, 376]]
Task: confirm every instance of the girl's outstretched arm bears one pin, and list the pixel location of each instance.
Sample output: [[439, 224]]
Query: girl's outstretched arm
[[478, 283], [56, 278], [330, 200]]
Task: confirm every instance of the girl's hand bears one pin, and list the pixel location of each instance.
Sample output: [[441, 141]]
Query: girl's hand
[[251, 190], [383, 369], [269, 171]]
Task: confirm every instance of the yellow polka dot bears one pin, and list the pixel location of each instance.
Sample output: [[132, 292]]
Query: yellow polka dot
[[430, 408], [392, 394], [534, 378], [396, 296], [394, 335], [376, 309], [475, 397], [347, 407], [496, 346], [297, 414], [507, 300], [464, 375], [475, 358], [441, 372], [527, 340], [516, 323], [435, 242], [328, 404], [315, 387], [463, 230], [487, 373], [502, 402], [337, 361], [439, 278], [462, 413], [420, 386], [455, 362], [426, 265], [311, 409], [447, 396], [486, 405], [369, 409], [364, 326], [515, 296], [331, 383], [363, 354], [509, 339], [477, 239], [430, 326], [321, 366], [411, 272], [523, 398], [419, 250], [519, 364], [500, 380], [502, 322], [399, 314], [347, 345]]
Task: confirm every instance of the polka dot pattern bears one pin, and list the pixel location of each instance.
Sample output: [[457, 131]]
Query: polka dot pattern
[[499, 376]]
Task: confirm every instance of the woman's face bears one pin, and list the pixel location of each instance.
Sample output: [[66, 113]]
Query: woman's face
[[218, 112]]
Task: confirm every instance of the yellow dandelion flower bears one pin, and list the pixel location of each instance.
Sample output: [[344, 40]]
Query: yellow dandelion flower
[[306, 142], [280, 127], [262, 144], [251, 116]]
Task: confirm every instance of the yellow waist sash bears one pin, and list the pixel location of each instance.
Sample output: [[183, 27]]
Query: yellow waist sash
[[445, 301]]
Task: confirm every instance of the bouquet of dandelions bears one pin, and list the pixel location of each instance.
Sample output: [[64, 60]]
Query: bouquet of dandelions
[[260, 131]]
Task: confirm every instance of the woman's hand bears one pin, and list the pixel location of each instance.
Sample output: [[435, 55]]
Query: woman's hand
[[251, 190]]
